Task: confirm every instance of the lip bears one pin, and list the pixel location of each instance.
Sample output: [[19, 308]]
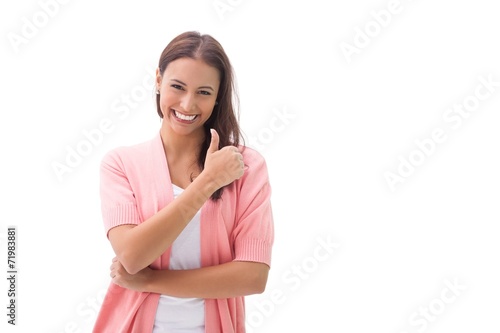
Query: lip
[[184, 121]]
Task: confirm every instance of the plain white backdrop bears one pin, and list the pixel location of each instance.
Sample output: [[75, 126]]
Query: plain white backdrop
[[352, 86]]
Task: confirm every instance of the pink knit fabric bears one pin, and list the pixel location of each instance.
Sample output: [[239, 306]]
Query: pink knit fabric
[[135, 184]]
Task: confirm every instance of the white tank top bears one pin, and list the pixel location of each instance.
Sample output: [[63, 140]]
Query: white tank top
[[186, 315]]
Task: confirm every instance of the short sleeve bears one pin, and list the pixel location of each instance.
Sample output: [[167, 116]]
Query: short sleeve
[[118, 203], [254, 229]]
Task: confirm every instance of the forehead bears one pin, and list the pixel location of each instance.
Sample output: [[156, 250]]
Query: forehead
[[192, 72]]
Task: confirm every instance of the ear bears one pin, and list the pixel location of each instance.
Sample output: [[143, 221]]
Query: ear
[[158, 79]]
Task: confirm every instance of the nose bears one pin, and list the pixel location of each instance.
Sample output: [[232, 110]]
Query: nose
[[188, 102]]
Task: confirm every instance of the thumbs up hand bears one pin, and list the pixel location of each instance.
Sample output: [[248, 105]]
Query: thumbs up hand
[[223, 165]]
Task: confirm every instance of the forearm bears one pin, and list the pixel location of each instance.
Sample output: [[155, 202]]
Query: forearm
[[138, 246], [233, 279]]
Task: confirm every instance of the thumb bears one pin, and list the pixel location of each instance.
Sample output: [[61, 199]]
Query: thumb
[[214, 143]]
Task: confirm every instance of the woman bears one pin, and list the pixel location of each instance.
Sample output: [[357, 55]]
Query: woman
[[187, 213]]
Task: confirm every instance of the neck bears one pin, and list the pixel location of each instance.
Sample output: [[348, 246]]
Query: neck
[[181, 146]]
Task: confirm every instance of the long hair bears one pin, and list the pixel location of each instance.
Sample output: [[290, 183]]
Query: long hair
[[224, 119]]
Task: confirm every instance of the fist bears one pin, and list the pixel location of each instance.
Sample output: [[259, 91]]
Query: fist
[[122, 278], [223, 165]]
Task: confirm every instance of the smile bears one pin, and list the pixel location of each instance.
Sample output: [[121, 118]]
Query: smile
[[183, 117]]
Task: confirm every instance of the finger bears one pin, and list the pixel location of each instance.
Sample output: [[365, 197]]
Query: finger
[[214, 142]]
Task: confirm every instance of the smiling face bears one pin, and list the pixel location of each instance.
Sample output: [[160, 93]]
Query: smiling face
[[188, 92]]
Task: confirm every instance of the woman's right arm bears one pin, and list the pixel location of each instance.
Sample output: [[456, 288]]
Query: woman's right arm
[[137, 246]]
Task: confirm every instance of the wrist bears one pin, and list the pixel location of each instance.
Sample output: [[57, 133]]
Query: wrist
[[148, 280], [206, 184]]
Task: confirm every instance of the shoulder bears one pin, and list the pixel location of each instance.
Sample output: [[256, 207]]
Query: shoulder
[[254, 183], [253, 160], [130, 154], [256, 172]]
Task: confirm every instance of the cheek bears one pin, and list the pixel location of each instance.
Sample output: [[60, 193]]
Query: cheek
[[207, 105], [208, 110], [165, 103]]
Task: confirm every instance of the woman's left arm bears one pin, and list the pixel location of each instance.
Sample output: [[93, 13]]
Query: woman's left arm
[[232, 279]]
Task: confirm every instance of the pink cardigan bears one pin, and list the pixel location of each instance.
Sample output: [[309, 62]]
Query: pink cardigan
[[135, 184]]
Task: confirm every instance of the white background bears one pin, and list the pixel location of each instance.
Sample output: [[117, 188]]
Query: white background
[[348, 122]]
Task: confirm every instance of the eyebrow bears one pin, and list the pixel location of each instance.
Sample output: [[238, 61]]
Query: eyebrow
[[202, 87]]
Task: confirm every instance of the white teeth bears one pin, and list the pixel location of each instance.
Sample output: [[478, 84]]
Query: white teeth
[[183, 117]]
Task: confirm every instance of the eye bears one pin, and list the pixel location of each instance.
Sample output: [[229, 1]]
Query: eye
[[176, 86], [204, 92]]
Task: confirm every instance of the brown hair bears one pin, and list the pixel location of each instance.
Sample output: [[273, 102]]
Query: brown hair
[[224, 120]]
